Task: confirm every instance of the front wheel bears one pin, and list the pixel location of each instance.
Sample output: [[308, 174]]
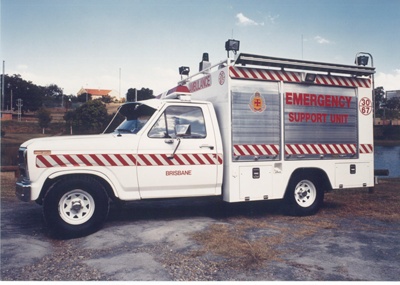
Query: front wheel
[[304, 196], [76, 206]]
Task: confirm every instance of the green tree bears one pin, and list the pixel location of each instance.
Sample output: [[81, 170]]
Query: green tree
[[84, 97], [379, 96], [52, 90], [142, 94], [91, 117], [52, 95], [31, 94], [379, 101], [44, 117], [392, 108], [106, 99]]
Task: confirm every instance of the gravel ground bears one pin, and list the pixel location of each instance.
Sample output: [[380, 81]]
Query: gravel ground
[[207, 240]]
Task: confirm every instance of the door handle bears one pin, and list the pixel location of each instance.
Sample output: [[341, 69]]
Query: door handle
[[207, 146], [169, 141]]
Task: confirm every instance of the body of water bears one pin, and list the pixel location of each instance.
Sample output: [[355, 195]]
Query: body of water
[[388, 157]]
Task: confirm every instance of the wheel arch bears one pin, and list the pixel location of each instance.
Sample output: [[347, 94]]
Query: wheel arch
[[54, 179], [319, 173]]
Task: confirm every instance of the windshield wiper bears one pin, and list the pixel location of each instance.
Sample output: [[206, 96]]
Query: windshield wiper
[[124, 131]]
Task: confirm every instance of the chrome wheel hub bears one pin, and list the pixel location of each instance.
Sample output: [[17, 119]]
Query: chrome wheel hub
[[305, 193], [76, 207]]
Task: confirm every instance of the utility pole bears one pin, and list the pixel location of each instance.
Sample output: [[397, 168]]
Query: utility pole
[[62, 97], [19, 105], [119, 90], [2, 87]]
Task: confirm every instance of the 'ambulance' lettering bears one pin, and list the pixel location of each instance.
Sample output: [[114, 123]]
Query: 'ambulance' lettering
[[200, 83], [320, 100]]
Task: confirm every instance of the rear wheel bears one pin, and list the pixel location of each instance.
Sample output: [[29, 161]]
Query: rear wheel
[[304, 195], [76, 206]]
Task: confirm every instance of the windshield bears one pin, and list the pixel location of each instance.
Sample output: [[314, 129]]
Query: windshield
[[136, 117], [132, 126]]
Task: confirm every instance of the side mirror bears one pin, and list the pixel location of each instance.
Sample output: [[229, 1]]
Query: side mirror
[[182, 130]]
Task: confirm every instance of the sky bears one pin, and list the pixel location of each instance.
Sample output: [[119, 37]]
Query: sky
[[122, 44]]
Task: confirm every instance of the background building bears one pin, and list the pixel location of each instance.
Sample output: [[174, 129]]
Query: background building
[[392, 93], [98, 93]]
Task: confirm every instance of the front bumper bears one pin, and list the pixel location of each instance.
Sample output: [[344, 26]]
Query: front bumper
[[23, 189]]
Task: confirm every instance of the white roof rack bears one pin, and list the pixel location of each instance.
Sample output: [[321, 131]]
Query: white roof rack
[[252, 59]]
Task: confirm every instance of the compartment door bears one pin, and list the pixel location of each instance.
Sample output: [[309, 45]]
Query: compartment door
[[255, 182]]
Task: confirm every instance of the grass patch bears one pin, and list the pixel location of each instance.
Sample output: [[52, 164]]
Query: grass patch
[[382, 205], [245, 242], [7, 185], [231, 242]]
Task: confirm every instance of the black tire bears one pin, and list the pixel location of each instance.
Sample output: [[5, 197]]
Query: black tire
[[304, 195], [75, 207]]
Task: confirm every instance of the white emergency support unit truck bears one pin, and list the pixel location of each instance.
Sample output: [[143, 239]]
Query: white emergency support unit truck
[[250, 128]]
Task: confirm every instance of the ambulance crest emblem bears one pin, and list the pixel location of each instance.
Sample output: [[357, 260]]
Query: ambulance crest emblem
[[257, 103]]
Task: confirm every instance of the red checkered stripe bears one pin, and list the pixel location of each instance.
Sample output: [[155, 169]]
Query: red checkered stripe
[[320, 149], [255, 149], [289, 76], [84, 160], [366, 148]]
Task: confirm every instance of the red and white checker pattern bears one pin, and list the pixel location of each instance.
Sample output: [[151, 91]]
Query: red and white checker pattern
[[289, 76], [320, 149], [255, 149], [84, 160]]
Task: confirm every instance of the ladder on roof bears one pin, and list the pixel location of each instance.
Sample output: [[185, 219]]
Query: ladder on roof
[[259, 60]]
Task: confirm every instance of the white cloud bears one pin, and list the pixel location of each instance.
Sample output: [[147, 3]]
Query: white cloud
[[321, 40], [272, 19], [22, 67], [389, 81], [244, 21]]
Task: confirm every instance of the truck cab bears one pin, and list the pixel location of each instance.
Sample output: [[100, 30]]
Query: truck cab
[[163, 149]]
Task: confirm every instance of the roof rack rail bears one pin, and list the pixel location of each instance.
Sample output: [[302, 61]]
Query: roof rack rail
[[252, 59]]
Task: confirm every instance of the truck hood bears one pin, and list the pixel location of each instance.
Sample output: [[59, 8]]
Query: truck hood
[[76, 144]]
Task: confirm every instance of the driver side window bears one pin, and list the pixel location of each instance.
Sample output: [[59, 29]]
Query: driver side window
[[179, 115]]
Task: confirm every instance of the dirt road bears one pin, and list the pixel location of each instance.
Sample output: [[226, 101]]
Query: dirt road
[[354, 237]]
